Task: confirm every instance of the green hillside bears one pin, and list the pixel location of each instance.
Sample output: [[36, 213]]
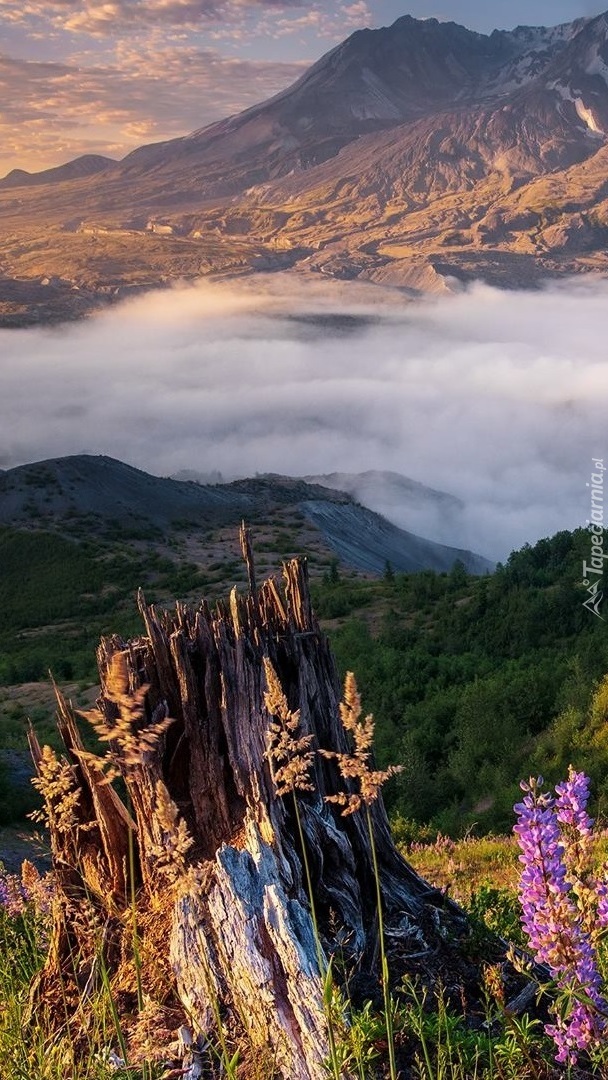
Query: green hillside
[[477, 681], [58, 595]]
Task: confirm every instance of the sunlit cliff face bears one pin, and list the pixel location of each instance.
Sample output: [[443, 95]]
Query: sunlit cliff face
[[499, 398]]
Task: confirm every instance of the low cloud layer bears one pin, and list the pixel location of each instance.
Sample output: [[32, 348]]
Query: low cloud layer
[[499, 398]]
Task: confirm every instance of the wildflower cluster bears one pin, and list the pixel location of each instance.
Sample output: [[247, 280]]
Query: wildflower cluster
[[29, 890], [12, 895], [563, 907]]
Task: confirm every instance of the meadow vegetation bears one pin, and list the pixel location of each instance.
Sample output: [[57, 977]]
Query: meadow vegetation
[[430, 1032], [474, 682]]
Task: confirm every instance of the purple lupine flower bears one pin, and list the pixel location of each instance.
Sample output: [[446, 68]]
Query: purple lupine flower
[[12, 897], [575, 825], [574, 1033], [577, 831], [602, 894], [549, 914], [571, 803]]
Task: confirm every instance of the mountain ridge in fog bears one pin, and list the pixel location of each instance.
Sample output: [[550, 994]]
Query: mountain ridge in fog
[[420, 155], [405, 502], [68, 491]]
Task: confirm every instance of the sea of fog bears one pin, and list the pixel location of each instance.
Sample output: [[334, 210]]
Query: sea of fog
[[499, 398]]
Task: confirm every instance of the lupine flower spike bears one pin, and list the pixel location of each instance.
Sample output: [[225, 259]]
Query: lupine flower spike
[[553, 836]]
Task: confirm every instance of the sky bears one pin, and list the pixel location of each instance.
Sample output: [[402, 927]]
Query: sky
[[105, 76], [497, 397]]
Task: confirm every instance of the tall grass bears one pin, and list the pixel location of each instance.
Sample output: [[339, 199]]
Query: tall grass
[[418, 1033], [433, 1039]]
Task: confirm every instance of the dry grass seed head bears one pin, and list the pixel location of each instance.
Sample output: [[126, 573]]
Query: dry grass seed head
[[38, 888], [56, 783], [151, 1033], [176, 841], [128, 732], [290, 756], [107, 771], [356, 765], [493, 983]]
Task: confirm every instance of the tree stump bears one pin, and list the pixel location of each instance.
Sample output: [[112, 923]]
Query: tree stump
[[200, 837]]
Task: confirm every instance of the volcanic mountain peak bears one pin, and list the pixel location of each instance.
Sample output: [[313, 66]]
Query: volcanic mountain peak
[[413, 155], [374, 80]]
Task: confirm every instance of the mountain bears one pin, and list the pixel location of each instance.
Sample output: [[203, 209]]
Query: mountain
[[403, 501], [85, 493], [416, 155], [87, 165], [367, 541]]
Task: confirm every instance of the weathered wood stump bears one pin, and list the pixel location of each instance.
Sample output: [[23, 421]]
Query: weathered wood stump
[[200, 837]]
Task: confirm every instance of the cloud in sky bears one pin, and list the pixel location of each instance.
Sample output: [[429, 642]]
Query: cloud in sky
[[108, 16], [54, 111], [229, 19], [499, 398], [81, 76]]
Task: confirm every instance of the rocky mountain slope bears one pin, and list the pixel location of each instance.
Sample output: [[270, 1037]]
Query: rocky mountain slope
[[414, 155], [403, 501], [99, 495]]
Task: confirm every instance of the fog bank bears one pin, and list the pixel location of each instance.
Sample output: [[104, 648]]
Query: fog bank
[[499, 398]]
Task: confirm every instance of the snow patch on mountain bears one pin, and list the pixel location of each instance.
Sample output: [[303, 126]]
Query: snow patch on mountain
[[583, 112]]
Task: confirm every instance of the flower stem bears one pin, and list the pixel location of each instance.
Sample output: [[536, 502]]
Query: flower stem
[[323, 967], [388, 1012]]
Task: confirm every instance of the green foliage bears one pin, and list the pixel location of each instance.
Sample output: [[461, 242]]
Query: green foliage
[[473, 681], [356, 1051], [59, 595], [499, 911]]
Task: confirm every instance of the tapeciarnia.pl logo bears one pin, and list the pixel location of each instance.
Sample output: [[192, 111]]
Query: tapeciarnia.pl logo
[[593, 571]]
